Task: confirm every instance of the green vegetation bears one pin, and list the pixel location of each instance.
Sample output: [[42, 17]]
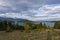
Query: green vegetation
[[28, 26], [28, 30], [9, 26], [57, 25]]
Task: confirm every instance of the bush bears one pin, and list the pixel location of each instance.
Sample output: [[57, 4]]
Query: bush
[[9, 29], [28, 26]]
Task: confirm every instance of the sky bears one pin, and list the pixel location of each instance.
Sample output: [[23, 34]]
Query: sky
[[34, 10]]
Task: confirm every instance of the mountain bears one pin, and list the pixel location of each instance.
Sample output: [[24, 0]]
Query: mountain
[[18, 21], [12, 19], [22, 21]]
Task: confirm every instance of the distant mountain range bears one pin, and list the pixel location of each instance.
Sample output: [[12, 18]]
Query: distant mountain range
[[12, 19], [21, 21], [17, 19]]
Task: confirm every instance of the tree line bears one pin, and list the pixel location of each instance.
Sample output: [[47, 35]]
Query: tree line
[[8, 26]]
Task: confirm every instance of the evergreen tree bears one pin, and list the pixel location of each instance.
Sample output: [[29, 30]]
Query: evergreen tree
[[44, 26], [57, 25], [9, 27], [39, 26], [27, 26]]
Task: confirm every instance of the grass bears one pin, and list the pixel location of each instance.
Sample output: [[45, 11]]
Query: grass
[[18, 35], [33, 35]]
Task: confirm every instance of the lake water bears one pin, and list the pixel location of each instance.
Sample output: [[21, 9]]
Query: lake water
[[51, 24]]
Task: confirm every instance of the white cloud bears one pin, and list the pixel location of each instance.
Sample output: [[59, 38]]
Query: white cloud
[[35, 10], [46, 13]]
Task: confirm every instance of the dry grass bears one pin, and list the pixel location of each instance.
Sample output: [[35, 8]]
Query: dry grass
[[55, 34], [18, 35]]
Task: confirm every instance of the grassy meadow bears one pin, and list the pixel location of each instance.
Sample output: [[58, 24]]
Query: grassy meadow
[[29, 31]]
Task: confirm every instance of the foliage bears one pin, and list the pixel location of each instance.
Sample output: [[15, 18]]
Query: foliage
[[28, 26], [9, 27], [57, 25], [45, 26]]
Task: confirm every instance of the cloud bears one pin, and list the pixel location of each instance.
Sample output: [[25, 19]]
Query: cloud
[[20, 5], [34, 10], [23, 5], [44, 13], [53, 1]]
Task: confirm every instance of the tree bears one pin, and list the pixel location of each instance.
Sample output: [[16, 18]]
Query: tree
[[57, 25], [44, 26], [1, 26], [9, 27], [27, 26], [39, 26]]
